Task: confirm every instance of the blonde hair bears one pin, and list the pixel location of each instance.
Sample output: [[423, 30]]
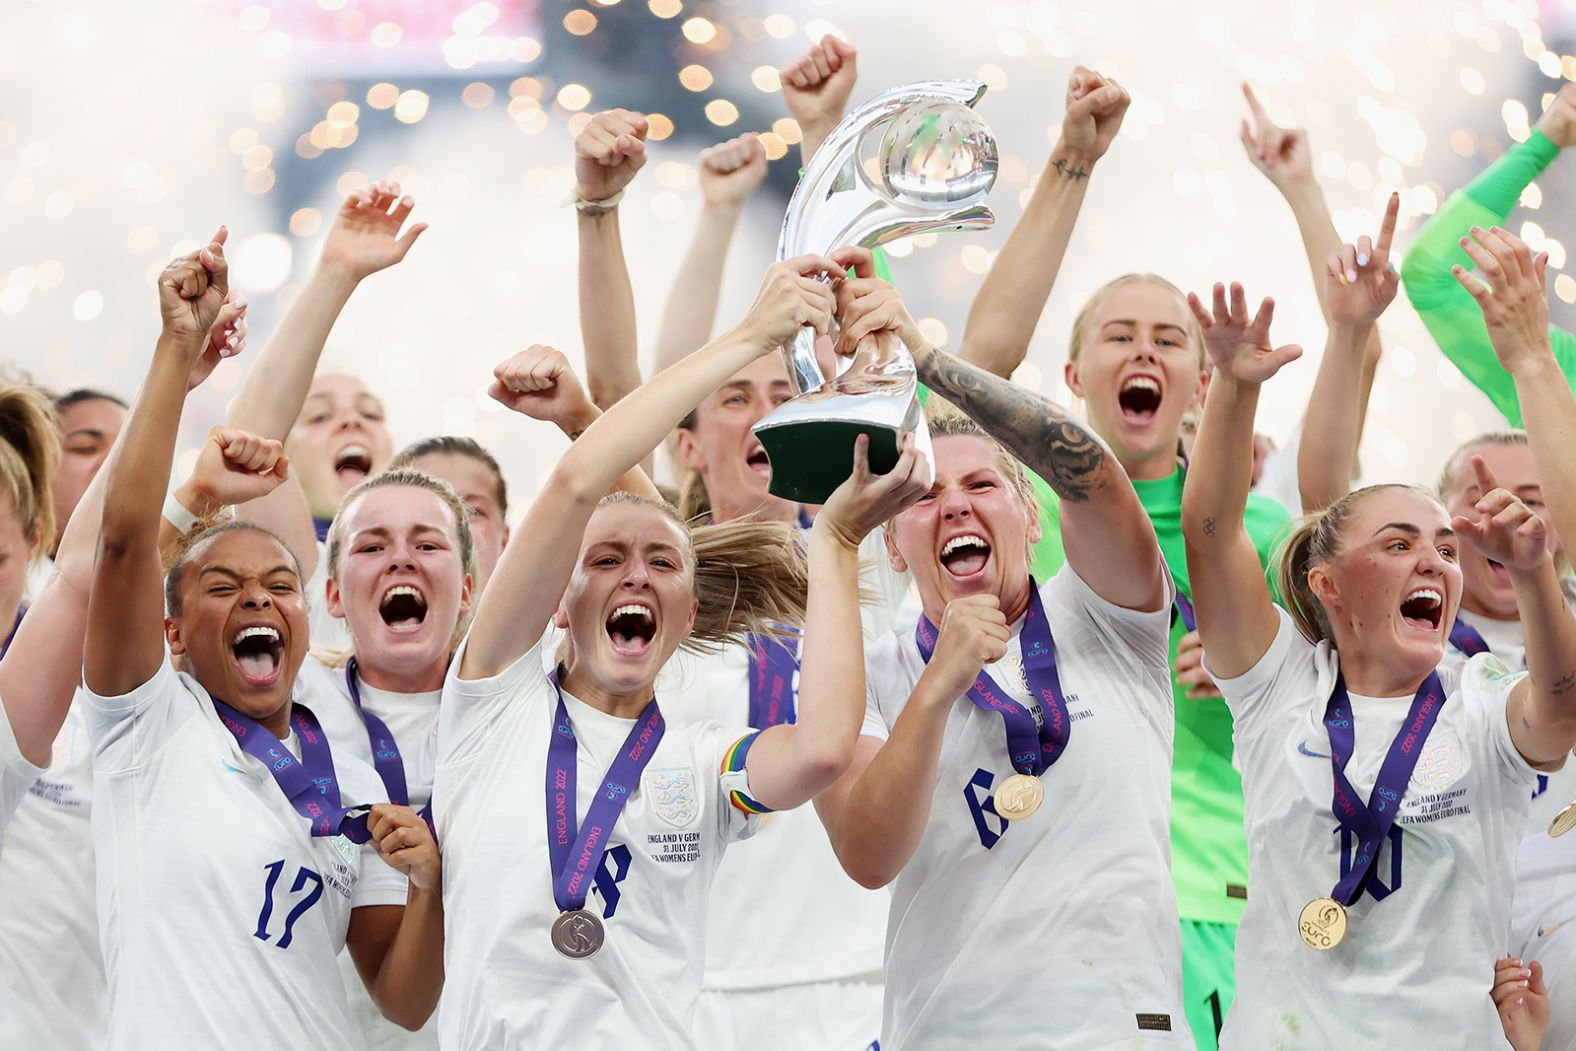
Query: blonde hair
[[29, 451], [1093, 303], [694, 500], [1449, 476], [1316, 540], [750, 578]]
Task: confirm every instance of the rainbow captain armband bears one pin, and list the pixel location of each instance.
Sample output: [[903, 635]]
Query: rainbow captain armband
[[733, 761]]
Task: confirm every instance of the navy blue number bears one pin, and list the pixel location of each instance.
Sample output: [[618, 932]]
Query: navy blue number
[[303, 876]]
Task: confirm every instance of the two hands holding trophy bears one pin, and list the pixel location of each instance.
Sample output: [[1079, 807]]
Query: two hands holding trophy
[[913, 159]]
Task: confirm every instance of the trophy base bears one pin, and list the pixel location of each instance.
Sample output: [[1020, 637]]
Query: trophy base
[[811, 458]]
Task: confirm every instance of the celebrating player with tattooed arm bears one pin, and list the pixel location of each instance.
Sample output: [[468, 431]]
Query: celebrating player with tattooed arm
[[1007, 691]]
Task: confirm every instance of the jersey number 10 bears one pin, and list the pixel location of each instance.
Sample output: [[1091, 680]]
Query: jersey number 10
[[303, 877]]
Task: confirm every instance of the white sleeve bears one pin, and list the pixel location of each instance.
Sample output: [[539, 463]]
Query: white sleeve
[[881, 679], [130, 729], [887, 589], [16, 773], [1485, 688], [738, 813], [1285, 674], [1145, 634], [377, 882], [470, 707]]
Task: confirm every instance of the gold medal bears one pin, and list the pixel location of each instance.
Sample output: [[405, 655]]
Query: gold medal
[[577, 934], [1019, 796], [1322, 923], [1564, 821]]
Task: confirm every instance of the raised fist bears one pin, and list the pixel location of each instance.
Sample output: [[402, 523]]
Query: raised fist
[[192, 289], [608, 153], [730, 171]]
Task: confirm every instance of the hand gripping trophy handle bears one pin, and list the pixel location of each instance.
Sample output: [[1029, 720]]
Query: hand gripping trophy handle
[[913, 159]]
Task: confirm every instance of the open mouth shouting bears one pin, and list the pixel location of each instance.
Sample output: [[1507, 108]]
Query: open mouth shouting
[[353, 464], [1423, 609], [259, 654], [756, 460], [1139, 399], [631, 627], [965, 555], [404, 609]]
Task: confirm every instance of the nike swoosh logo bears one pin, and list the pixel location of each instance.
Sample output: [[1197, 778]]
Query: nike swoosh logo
[[1302, 746], [1544, 931], [232, 769]]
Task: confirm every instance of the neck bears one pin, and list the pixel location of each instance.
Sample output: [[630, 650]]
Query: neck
[[621, 705], [278, 723], [1375, 675], [769, 510], [1470, 603], [1149, 467], [420, 679]]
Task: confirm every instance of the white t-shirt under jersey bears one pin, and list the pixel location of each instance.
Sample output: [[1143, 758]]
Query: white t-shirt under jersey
[[506, 985], [221, 918], [51, 970], [1058, 931], [16, 773], [1415, 968], [413, 720]]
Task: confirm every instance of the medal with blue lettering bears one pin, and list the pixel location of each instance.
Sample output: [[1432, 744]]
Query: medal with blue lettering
[[1032, 747], [309, 782], [1323, 921], [575, 852]]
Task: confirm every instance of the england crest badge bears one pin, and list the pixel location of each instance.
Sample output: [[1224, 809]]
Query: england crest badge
[[673, 795]]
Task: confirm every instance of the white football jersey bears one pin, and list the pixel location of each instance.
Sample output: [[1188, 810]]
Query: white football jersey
[[16, 773], [205, 869], [51, 970], [328, 631], [506, 984], [1416, 964], [413, 720], [1059, 930], [1543, 927]]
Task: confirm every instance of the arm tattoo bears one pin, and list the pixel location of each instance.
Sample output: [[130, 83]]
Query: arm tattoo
[[1563, 684], [1209, 527], [1034, 429], [1068, 171]]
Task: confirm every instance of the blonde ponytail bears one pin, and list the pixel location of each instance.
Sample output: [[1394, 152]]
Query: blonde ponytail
[[29, 451]]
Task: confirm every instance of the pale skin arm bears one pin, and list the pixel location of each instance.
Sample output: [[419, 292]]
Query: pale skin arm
[[1333, 421], [608, 153], [1005, 312], [364, 239], [1106, 532], [729, 173], [1285, 158], [398, 950], [816, 86], [790, 764], [537, 563], [124, 643], [1236, 618], [876, 813]]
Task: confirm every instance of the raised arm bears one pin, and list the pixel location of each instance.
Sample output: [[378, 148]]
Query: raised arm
[[1008, 307], [537, 563], [1236, 618], [125, 622], [1105, 530], [729, 173], [1359, 285], [364, 238], [816, 86], [608, 153], [1541, 710], [789, 764], [1285, 158], [1427, 271]]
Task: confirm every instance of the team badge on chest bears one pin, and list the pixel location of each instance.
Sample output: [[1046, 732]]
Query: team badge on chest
[[673, 795], [1012, 664]]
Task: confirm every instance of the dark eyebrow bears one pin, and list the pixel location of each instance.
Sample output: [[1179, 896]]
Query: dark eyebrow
[[1406, 527], [92, 432], [1158, 324], [226, 571]]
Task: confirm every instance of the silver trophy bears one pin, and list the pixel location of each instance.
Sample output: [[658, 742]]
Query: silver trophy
[[916, 158]]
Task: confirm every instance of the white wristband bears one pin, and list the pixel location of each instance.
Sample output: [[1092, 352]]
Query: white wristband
[[178, 516], [602, 207]]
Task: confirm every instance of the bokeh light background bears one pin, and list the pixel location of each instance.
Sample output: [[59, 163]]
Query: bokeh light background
[[131, 130]]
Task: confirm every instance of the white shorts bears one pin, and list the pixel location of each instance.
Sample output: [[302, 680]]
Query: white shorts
[[844, 1015]]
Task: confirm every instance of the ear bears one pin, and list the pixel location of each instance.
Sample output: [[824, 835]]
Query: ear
[[466, 587], [35, 538], [1202, 389], [689, 624], [172, 635], [1074, 382], [561, 618], [336, 605], [690, 455], [506, 534], [894, 557], [1322, 586], [1036, 534]]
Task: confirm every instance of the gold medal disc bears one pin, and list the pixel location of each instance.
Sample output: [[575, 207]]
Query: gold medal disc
[[577, 934], [1322, 923], [1564, 821], [1019, 796]]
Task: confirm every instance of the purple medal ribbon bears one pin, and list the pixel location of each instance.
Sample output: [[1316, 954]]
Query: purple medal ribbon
[[386, 759], [772, 667], [575, 852], [308, 782], [1372, 820], [1465, 638], [1184, 610], [1032, 748], [21, 612]]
